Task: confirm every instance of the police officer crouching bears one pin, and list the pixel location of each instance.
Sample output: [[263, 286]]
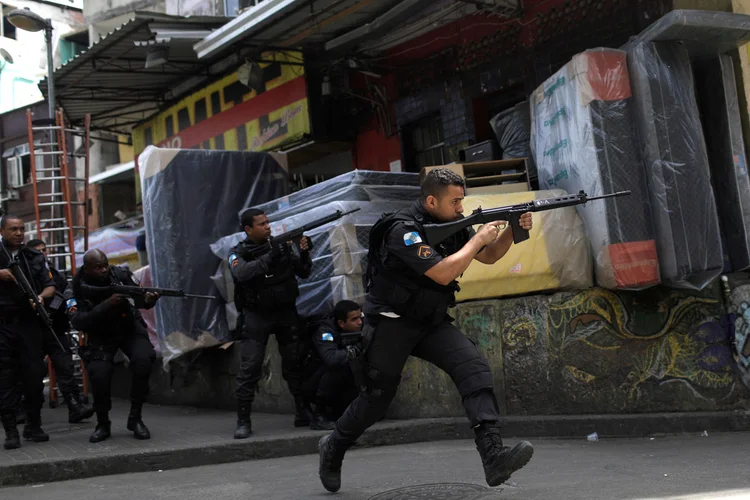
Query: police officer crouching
[[21, 331], [336, 388], [411, 286], [62, 359], [266, 292], [112, 322]]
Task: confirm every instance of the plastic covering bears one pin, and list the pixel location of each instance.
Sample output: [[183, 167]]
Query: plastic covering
[[722, 127], [676, 162], [115, 243], [512, 129], [537, 263], [583, 138], [190, 199], [143, 275], [703, 33], [340, 247]]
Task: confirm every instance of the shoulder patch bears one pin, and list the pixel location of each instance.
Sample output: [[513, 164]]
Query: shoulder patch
[[327, 337], [233, 260], [424, 252], [412, 238]]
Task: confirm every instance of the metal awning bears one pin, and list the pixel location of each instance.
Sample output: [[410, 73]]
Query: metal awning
[[334, 25], [110, 79], [114, 173], [294, 23]]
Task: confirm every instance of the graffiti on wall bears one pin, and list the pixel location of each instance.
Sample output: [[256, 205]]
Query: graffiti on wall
[[739, 301], [600, 351]]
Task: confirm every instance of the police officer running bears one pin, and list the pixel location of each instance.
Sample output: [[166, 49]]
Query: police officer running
[[411, 287], [112, 322], [21, 359], [266, 291], [62, 360], [336, 388]]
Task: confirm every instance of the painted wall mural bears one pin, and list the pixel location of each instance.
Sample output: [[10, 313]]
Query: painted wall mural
[[739, 300], [597, 351]]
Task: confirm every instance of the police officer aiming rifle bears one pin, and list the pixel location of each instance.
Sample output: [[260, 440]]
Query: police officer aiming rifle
[[266, 291], [411, 286]]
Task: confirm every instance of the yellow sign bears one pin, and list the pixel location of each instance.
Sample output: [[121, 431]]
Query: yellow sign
[[269, 111]]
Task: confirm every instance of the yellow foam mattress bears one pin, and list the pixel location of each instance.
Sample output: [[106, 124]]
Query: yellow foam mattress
[[556, 256]]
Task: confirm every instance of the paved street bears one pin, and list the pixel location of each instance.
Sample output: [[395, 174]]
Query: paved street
[[674, 467]]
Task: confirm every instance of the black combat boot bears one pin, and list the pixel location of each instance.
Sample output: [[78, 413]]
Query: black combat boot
[[103, 428], [244, 425], [12, 439], [32, 431], [77, 411], [135, 424], [319, 421], [302, 415], [331, 456], [500, 461]]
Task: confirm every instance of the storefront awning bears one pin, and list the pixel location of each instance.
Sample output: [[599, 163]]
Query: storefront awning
[[127, 75], [291, 23]]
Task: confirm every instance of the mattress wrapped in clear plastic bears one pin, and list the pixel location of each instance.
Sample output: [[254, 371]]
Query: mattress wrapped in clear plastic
[[583, 138], [190, 199]]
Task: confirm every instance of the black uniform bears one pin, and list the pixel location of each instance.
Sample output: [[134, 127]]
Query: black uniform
[[21, 356], [334, 383], [62, 360], [406, 313], [266, 291], [111, 327]]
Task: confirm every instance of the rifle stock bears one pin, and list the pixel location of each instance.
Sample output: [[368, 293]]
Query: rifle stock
[[436, 233]]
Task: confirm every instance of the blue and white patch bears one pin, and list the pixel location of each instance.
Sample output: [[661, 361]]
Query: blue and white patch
[[412, 239], [233, 260], [71, 303], [327, 337]]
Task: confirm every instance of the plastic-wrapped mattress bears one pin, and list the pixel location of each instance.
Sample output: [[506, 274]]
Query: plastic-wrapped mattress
[[538, 263], [722, 127], [674, 152], [583, 138]]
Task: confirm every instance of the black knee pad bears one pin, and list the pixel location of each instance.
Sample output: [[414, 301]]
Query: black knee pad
[[382, 386]]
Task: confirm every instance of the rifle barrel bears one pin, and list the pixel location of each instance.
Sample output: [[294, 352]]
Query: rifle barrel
[[610, 195]]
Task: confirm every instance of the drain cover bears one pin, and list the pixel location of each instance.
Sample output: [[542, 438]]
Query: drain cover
[[440, 491]]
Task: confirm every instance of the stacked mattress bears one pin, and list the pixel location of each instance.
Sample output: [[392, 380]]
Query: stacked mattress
[[583, 138], [536, 264], [722, 127], [676, 162]]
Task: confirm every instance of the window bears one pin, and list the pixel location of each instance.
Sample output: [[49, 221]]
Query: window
[[7, 30], [233, 7], [30, 229], [426, 144], [18, 171]]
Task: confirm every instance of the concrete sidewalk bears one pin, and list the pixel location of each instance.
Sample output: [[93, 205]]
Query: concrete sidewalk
[[190, 437]]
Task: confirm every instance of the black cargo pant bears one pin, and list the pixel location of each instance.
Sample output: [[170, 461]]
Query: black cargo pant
[[258, 327], [336, 389], [99, 357], [62, 359], [389, 343], [22, 367]]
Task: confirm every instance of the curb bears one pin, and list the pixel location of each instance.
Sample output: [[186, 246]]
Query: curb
[[384, 434]]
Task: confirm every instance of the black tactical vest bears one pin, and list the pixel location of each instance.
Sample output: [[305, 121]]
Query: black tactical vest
[[391, 281], [276, 288]]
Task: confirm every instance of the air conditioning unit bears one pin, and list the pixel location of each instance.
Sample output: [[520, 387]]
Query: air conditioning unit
[[10, 195]]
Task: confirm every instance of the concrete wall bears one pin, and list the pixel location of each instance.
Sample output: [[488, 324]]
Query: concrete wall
[[592, 351]]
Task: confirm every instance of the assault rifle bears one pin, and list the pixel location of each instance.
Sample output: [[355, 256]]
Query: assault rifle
[[134, 291], [15, 268], [350, 338], [294, 235], [436, 233]]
